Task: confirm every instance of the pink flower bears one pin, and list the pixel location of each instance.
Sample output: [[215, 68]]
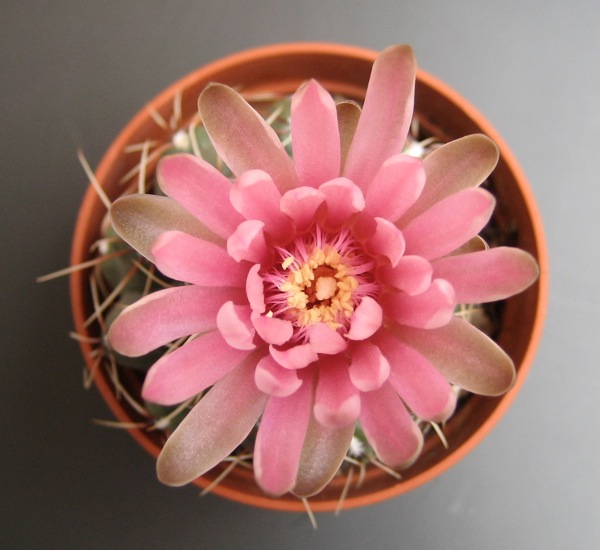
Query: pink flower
[[322, 289]]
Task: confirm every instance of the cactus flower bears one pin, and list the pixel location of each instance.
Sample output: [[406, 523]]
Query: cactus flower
[[321, 287]]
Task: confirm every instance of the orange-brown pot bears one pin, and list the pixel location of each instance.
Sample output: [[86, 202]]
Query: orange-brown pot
[[342, 70]]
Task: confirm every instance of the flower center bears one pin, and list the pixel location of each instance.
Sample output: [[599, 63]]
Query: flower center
[[320, 278], [319, 289]]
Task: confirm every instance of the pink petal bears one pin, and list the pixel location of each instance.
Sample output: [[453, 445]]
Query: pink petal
[[235, 326], [463, 163], [395, 187], [242, 138], [141, 219], [166, 315], [430, 309], [386, 115], [323, 339], [213, 428], [412, 274], [279, 440], [271, 329], [489, 275], [387, 241], [323, 452], [248, 243], [337, 400], [315, 135], [255, 290], [190, 369], [201, 189], [366, 319], [449, 223], [273, 379], [395, 438], [255, 196], [296, 357], [301, 205], [464, 355], [369, 369], [420, 385], [343, 199], [186, 258]]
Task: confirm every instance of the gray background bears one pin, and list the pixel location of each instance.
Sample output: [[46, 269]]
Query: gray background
[[73, 73]]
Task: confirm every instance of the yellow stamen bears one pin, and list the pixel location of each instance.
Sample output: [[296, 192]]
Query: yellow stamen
[[287, 262], [320, 290]]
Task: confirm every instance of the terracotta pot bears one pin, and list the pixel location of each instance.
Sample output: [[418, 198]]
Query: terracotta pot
[[344, 70]]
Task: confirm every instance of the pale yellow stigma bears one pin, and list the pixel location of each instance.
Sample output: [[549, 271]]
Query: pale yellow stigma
[[326, 288], [320, 290]]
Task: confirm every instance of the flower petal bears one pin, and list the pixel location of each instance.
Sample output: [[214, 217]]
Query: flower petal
[[476, 244], [271, 329], [369, 369], [190, 369], [464, 355], [213, 428], [187, 258], [323, 452], [273, 379], [255, 196], [366, 319], [302, 205], [395, 438], [248, 243], [166, 315], [242, 138], [459, 164], [348, 114], [141, 219], [343, 199], [387, 241], [323, 339], [255, 290], [201, 189], [386, 115], [489, 275], [420, 385], [279, 440], [449, 223], [430, 309], [412, 274], [235, 326], [337, 400], [296, 357], [315, 135], [395, 187]]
